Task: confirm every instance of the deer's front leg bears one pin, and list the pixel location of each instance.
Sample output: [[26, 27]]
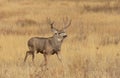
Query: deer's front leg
[[59, 56], [45, 62], [60, 59]]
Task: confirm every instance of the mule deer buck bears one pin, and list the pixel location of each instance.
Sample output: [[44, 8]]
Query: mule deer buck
[[50, 45]]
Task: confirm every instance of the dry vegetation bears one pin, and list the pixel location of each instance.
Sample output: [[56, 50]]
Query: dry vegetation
[[92, 49]]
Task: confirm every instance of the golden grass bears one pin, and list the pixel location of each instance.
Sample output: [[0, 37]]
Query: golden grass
[[90, 51]]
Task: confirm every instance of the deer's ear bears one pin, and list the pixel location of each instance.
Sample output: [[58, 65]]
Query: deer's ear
[[54, 30]]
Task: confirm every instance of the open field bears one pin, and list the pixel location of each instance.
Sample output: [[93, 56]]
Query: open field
[[91, 50]]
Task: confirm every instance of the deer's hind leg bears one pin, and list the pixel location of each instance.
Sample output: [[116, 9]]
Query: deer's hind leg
[[33, 56], [29, 53]]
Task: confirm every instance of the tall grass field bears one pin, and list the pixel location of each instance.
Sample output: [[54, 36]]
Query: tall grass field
[[91, 50]]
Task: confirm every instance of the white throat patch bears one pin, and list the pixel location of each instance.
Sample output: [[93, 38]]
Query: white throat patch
[[59, 39]]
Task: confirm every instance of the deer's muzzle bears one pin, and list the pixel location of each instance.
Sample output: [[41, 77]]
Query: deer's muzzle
[[65, 36]]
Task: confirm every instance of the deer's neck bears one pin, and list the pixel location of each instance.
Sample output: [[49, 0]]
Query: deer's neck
[[57, 41], [56, 44]]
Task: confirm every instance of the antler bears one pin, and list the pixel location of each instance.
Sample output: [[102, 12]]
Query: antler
[[52, 25], [66, 23], [50, 22]]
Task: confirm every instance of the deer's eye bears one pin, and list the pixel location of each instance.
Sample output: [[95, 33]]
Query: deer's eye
[[55, 33]]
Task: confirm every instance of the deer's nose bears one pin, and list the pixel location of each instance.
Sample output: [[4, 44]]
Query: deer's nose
[[65, 36]]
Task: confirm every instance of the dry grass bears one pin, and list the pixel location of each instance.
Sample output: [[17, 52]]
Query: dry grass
[[90, 51]]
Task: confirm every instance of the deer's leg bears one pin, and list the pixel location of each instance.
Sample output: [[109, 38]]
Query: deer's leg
[[33, 56], [44, 63], [27, 53], [59, 57], [45, 60]]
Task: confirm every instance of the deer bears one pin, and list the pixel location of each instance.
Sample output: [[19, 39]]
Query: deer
[[50, 45]]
